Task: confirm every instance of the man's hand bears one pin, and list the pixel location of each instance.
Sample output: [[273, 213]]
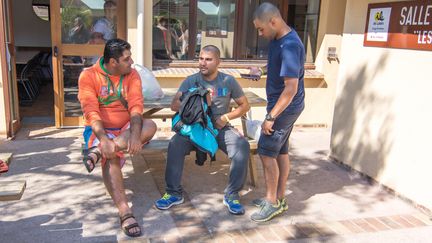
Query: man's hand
[[255, 71], [220, 122], [267, 127], [209, 96], [107, 147]]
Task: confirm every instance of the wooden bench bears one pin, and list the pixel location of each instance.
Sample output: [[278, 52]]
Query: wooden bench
[[161, 145], [10, 190]]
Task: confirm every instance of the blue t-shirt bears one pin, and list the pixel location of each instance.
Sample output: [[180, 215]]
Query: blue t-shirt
[[286, 58]]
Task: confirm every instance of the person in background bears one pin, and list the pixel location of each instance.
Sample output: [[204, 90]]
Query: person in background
[[79, 34], [184, 39], [163, 27], [107, 24]]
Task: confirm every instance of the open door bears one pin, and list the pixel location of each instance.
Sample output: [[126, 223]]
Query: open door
[[8, 69], [79, 30]]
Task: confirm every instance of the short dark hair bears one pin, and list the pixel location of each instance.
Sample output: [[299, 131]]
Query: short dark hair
[[212, 48], [114, 48], [266, 11], [109, 3]]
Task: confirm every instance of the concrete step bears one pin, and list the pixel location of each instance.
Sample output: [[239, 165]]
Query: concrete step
[[11, 190]]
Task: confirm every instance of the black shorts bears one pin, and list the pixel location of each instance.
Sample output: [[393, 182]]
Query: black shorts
[[277, 143]]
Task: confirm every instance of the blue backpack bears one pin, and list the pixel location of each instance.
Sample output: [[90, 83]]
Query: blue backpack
[[193, 121]]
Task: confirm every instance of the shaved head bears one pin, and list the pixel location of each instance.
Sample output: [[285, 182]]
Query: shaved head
[[266, 11], [213, 49]]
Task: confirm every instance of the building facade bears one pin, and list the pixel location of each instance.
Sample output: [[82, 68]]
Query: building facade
[[374, 98]]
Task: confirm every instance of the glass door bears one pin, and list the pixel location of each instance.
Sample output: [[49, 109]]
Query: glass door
[[79, 30]]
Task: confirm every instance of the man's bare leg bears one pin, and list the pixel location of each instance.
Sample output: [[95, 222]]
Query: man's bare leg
[[271, 174], [147, 132], [284, 170], [113, 180]]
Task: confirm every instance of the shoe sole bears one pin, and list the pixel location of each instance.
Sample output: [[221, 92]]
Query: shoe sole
[[270, 216], [232, 212], [172, 204]]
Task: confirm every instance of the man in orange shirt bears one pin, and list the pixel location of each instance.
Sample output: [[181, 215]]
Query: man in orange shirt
[[112, 103]]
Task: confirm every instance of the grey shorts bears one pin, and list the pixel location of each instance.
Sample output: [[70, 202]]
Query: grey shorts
[[277, 143]]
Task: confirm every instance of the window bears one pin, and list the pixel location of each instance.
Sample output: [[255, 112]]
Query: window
[[181, 28], [42, 11]]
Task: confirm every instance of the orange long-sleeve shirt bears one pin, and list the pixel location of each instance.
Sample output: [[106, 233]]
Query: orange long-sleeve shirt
[[93, 83]]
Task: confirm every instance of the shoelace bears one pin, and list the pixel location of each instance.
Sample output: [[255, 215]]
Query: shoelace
[[271, 205], [166, 196]]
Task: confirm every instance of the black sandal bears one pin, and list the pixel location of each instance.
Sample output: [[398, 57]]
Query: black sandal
[[128, 227], [92, 150]]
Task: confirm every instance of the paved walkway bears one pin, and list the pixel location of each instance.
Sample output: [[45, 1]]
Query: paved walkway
[[327, 203]]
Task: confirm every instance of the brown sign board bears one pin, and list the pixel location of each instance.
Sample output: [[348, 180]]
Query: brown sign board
[[406, 25]]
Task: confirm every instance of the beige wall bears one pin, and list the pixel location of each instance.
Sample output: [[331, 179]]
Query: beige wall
[[382, 120], [133, 32], [320, 101], [225, 45]]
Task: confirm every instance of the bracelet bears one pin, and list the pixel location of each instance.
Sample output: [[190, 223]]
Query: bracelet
[[226, 118]]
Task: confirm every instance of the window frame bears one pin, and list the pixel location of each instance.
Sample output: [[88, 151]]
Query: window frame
[[239, 13]]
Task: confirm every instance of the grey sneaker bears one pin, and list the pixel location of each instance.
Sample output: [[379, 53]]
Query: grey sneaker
[[267, 211], [260, 202]]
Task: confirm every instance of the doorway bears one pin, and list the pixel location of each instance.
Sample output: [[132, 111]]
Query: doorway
[[30, 28], [79, 30]]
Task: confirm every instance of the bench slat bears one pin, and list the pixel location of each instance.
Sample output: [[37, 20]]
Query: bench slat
[[161, 145]]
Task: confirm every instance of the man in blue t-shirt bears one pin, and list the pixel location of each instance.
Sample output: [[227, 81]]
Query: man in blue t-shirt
[[285, 97]]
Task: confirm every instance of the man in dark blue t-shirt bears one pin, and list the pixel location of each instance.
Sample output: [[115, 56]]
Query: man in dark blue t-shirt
[[285, 97]]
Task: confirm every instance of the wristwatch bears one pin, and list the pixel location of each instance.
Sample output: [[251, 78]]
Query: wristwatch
[[269, 117]]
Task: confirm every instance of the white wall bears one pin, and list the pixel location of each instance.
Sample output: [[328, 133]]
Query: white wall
[[382, 119], [319, 102], [29, 29]]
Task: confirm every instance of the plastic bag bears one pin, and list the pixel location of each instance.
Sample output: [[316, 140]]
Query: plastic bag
[[253, 129], [151, 89]]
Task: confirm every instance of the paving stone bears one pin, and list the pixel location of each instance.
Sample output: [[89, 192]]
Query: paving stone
[[353, 228], [377, 224], [364, 225], [390, 223], [253, 235], [237, 236]]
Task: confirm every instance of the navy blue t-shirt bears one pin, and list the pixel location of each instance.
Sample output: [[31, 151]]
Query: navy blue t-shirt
[[286, 58]]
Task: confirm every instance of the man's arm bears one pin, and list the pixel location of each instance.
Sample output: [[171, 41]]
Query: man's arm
[[258, 71], [282, 103], [243, 107], [135, 144], [175, 103]]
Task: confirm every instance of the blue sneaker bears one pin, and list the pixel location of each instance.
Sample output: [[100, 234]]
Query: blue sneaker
[[234, 206], [168, 201]]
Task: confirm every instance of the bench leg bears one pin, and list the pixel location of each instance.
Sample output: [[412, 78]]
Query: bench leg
[[252, 171]]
